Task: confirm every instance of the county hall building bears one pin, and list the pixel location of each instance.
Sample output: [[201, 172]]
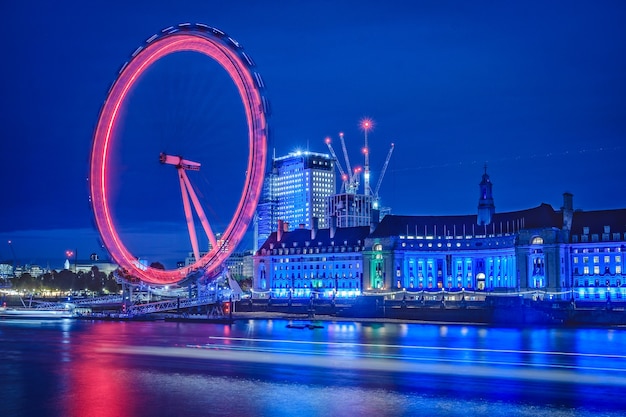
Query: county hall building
[[540, 252]]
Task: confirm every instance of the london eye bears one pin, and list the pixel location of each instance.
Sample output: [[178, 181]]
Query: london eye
[[105, 170]]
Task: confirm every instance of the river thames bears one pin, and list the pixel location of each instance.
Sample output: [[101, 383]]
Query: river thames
[[282, 368]]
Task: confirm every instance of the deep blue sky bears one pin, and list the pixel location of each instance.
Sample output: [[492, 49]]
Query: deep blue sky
[[535, 89]]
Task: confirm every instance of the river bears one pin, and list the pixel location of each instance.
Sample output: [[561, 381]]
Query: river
[[271, 368]]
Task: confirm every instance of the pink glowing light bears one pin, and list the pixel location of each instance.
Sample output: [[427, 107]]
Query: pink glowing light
[[367, 124], [229, 57]]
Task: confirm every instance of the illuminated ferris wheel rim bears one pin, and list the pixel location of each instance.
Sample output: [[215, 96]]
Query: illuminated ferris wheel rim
[[227, 52]]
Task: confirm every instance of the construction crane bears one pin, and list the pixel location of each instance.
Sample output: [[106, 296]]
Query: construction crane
[[354, 179], [344, 177], [350, 178], [345, 155], [14, 257], [382, 174], [366, 125]]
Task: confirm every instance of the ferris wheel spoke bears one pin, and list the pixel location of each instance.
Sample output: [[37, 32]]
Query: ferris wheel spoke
[[199, 211], [188, 216]]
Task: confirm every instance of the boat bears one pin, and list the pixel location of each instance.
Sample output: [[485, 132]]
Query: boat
[[35, 313], [304, 326], [47, 312]]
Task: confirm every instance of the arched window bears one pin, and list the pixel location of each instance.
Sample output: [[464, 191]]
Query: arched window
[[537, 240]]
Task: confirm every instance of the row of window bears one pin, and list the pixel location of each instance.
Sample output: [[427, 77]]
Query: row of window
[[615, 282], [596, 270], [596, 259], [294, 267], [597, 250], [317, 249], [328, 284], [318, 276], [498, 282], [317, 259]]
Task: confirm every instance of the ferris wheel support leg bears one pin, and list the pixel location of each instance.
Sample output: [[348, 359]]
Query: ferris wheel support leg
[[192, 230], [199, 211]]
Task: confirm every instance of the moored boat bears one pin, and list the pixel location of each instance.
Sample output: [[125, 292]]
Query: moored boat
[[37, 313]]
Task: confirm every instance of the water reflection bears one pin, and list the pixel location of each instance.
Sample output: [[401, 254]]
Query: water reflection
[[107, 369]]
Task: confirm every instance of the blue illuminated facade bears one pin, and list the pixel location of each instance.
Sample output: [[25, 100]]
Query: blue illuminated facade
[[539, 252], [596, 255], [517, 251], [325, 263]]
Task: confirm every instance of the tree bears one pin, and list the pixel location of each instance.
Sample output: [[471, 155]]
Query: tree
[[65, 280], [157, 265], [111, 284], [25, 282], [96, 280]]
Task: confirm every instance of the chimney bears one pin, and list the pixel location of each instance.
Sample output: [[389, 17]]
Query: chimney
[[568, 210], [301, 226], [279, 231], [314, 227], [375, 220]]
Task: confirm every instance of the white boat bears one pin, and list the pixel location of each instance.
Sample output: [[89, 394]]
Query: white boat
[[65, 312], [21, 313]]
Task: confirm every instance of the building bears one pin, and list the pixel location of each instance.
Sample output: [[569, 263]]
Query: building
[[537, 252], [515, 251], [305, 262], [350, 210], [295, 191], [6, 270], [33, 270], [596, 255], [239, 265]]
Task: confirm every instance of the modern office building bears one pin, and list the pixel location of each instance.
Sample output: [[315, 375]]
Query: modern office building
[[295, 191]]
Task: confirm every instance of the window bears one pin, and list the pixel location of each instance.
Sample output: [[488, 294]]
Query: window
[[596, 270], [537, 240]]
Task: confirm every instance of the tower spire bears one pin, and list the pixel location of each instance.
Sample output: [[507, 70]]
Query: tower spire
[[486, 206]]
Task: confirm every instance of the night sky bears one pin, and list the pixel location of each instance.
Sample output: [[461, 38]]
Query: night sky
[[534, 89]]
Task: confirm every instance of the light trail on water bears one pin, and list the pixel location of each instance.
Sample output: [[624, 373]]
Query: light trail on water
[[377, 345], [345, 359]]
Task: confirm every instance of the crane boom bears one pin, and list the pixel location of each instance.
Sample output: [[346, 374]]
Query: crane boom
[[344, 177], [345, 153], [382, 172]]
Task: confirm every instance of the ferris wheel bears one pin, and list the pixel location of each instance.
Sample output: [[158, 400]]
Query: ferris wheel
[[229, 55]]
